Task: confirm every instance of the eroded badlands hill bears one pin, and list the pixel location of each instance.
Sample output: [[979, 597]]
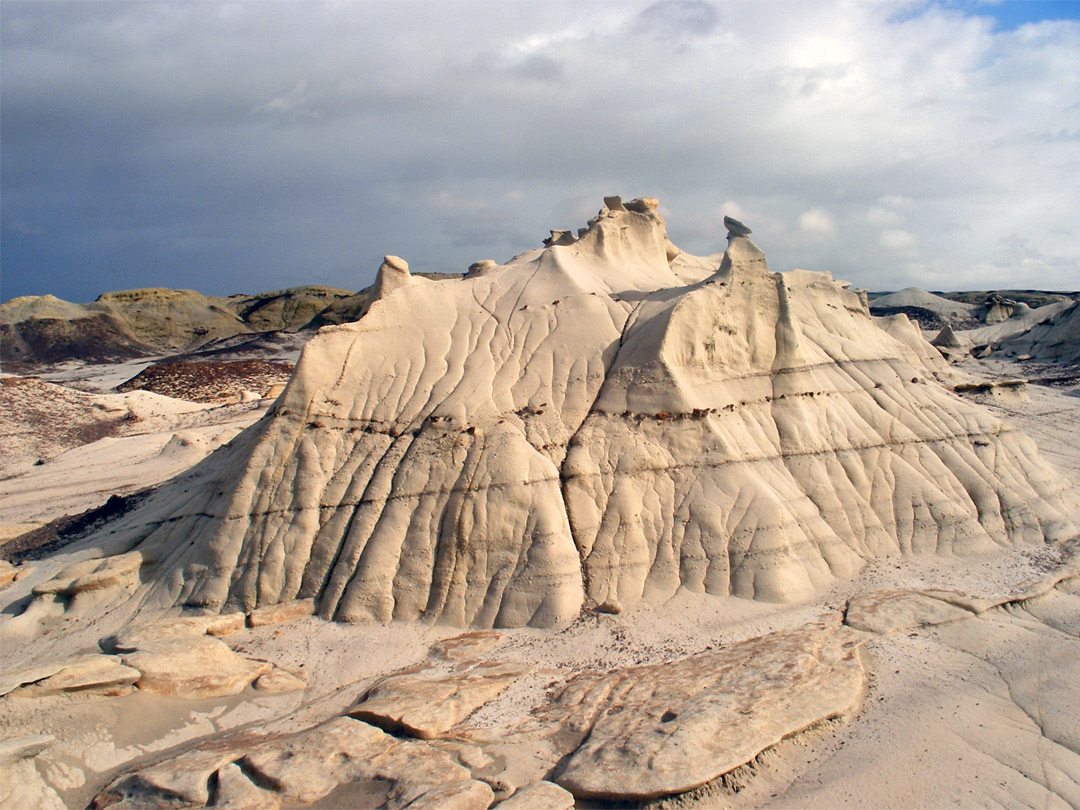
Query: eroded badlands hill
[[41, 330], [599, 422]]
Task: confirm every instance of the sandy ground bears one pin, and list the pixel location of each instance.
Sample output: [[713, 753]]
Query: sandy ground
[[938, 727], [947, 721], [152, 438]]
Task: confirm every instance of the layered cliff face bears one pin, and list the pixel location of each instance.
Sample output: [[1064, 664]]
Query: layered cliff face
[[600, 422]]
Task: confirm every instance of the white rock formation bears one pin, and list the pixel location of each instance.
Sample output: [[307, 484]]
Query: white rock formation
[[593, 423], [21, 785], [1055, 339]]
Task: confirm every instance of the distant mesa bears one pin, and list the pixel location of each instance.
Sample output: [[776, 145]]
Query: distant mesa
[[608, 422], [149, 322]]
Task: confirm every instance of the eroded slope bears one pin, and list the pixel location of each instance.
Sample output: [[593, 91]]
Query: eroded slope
[[601, 421]]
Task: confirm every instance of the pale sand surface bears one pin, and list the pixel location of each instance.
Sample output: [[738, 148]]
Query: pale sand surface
[[156, 438], [938, 727]]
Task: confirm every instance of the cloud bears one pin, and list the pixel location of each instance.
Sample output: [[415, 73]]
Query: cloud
[[897, 240], [232, 147], [291, 103], [817, 223], [677, 19], [883, 217]]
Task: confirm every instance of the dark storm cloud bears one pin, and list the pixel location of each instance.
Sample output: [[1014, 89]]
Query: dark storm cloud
[[246, 146]]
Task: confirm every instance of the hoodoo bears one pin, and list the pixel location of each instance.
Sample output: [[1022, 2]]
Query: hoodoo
[[599, 422]]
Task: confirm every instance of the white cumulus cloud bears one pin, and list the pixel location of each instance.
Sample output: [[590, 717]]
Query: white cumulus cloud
[[896, 239], [818, 223]]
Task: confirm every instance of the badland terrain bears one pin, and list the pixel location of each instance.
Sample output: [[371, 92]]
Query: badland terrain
[[606, 525]]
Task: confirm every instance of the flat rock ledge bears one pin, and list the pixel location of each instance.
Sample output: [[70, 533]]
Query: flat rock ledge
[[887, 612], [194, 667], [180, 657], [669, 728], [427, 702], [344, 761], [183, 657], [95, 674], [628, 735]]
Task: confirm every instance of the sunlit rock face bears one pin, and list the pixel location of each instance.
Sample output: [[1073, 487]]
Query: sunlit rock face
[[599, 422]]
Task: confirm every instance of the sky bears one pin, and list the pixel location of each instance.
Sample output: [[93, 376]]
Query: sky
[[249, 146]]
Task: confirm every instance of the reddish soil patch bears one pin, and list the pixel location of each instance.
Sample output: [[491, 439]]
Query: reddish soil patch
[[53, 536], [209, 380], [39, 420]]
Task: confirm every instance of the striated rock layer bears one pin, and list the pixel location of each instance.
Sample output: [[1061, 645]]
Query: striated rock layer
[[599, 422]]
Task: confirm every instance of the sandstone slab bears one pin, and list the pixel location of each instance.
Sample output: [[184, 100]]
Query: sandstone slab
[[311, 764], [12, 679], [99, 674], [540, 796], [182, 780], [340, 758], [465, 645], [279, 614], [236, 792], [670, 728], [131, 638], [278, 680], [21, 786], [102, 674], [426, 703], [193, 667], [885, 612]]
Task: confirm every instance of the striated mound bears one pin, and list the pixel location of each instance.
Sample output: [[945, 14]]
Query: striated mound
[[604, 421], [96, 337], [285, 310]]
